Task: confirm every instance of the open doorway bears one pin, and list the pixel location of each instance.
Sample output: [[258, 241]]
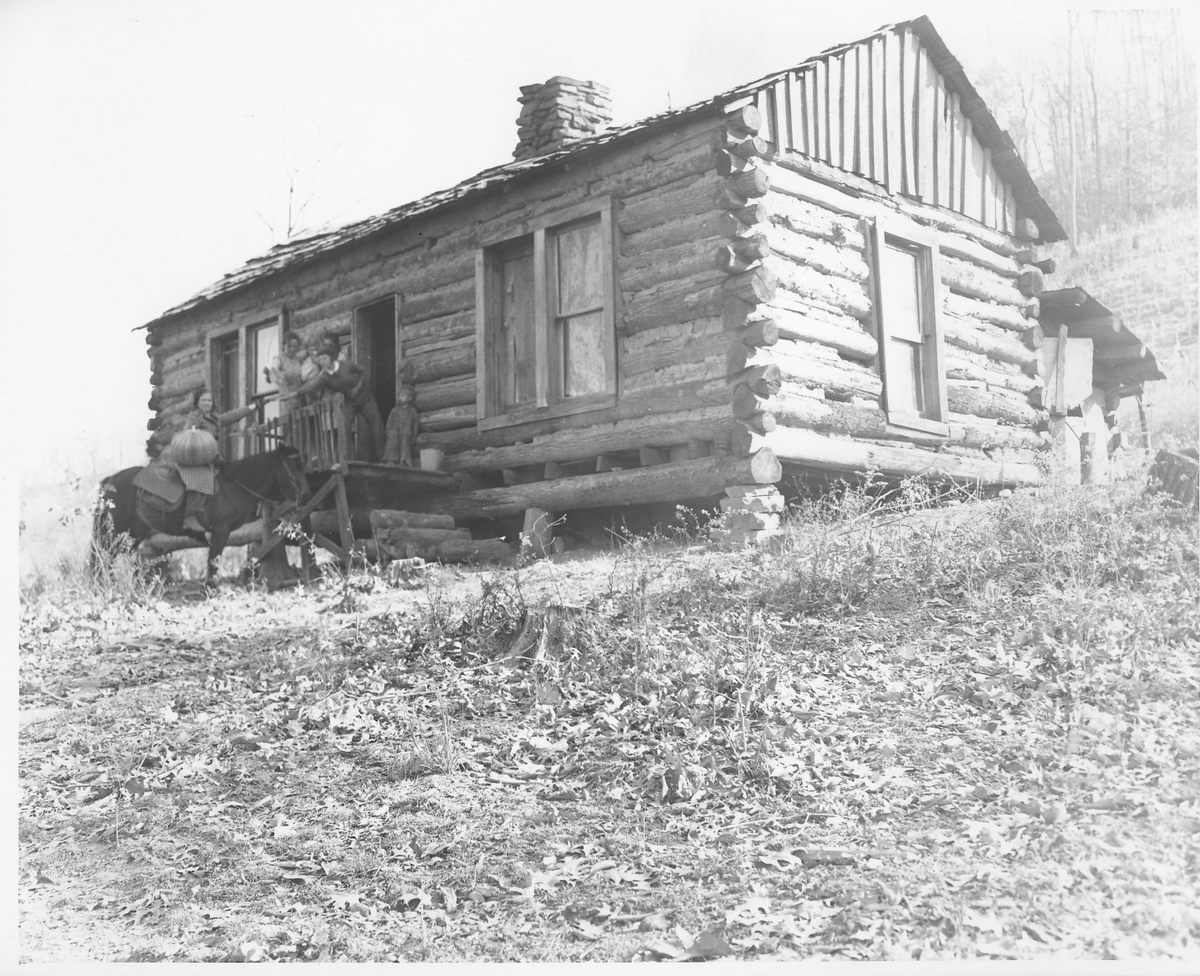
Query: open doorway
[[375, 349]]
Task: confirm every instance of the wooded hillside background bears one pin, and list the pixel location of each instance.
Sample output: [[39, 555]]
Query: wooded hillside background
[[1104, 115], [1103, 111]]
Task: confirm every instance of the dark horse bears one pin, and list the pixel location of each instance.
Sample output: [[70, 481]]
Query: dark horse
[[274, 476]]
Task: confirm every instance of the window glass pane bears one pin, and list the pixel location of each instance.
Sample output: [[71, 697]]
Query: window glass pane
[[580, 268], [899, 269], [905, 391], [266, 348], [584, 359], [225, 388]]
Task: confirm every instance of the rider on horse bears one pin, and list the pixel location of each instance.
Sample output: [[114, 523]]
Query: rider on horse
[[198, 457]]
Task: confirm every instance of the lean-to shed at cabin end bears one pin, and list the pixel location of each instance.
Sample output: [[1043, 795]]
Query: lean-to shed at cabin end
[[1090, 362], [834, 268]]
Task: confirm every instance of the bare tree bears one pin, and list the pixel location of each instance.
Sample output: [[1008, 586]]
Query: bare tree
[[302, 171], [1072, 153], [1088, 53], [1105, 115]]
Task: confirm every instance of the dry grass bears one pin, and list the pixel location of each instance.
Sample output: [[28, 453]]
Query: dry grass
[[897, 732]]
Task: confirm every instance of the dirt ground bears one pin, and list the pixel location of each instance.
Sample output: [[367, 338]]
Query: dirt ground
[[660, 768]]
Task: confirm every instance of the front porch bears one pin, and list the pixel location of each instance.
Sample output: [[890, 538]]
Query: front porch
[[348, 489]]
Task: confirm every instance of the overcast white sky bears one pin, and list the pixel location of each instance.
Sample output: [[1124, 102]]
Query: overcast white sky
[[146, 143]]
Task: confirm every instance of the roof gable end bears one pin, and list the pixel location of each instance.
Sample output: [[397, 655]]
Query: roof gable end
[[897, 108]]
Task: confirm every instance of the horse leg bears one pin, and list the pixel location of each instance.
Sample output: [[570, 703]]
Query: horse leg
[[217, 539]]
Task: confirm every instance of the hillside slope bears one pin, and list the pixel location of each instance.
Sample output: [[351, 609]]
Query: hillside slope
[[947, 733], [1147, 274]]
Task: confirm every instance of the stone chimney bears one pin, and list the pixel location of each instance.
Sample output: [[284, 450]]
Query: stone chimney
[[559, 112]]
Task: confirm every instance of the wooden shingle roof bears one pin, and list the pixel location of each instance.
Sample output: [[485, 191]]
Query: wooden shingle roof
[[293, 254]]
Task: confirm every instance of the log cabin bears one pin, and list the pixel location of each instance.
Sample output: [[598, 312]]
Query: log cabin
[[833, 269]]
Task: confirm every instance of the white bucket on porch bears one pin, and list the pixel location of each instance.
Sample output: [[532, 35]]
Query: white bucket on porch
[[431, 459]]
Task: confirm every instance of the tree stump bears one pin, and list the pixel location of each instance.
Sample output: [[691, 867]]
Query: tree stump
[[1178, 475], [544, 634]]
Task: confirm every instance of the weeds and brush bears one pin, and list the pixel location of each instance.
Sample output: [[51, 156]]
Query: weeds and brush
[[110, 573], [971, 694], [716, 643], [720, 645]]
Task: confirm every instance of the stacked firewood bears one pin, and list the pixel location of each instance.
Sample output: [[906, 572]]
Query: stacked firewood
[[404, 535]]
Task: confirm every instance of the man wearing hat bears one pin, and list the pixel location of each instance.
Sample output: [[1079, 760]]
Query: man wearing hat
[[350, 380]]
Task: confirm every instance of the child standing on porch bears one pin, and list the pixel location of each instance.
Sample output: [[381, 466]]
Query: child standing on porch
[[402, 429]]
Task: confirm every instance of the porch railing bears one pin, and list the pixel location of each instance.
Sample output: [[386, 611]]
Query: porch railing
[[318, 430]]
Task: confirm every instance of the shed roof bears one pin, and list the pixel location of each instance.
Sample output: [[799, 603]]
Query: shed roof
[[294, 253], [1119, 353]]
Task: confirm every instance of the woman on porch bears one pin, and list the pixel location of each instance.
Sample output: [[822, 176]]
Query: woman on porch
[[291, 368]]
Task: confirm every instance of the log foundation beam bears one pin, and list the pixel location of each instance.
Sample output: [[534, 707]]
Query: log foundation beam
[[813, 450], [457, 550], [667, 482], [389, 518]]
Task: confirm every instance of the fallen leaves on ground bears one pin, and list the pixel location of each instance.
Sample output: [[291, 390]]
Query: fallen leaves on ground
[[694, 768]]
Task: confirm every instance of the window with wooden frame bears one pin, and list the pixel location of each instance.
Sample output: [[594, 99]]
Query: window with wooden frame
[[908, 312], [262, 346], [236, 360], [545, 339]]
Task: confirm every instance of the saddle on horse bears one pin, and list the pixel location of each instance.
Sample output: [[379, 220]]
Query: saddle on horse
[[160, 487], [186, 471], [163, 485]]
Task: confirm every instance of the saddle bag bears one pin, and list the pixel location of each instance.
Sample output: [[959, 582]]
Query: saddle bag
[[161, 481], [157, 504]]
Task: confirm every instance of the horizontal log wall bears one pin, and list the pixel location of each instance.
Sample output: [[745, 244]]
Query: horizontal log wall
[[821, 375], [686, 396], [673, 345], [658, 430], [744, 311]]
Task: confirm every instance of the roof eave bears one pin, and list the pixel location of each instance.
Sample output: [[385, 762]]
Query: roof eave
[[1075, 306], [484, 182], [1004, 153]]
